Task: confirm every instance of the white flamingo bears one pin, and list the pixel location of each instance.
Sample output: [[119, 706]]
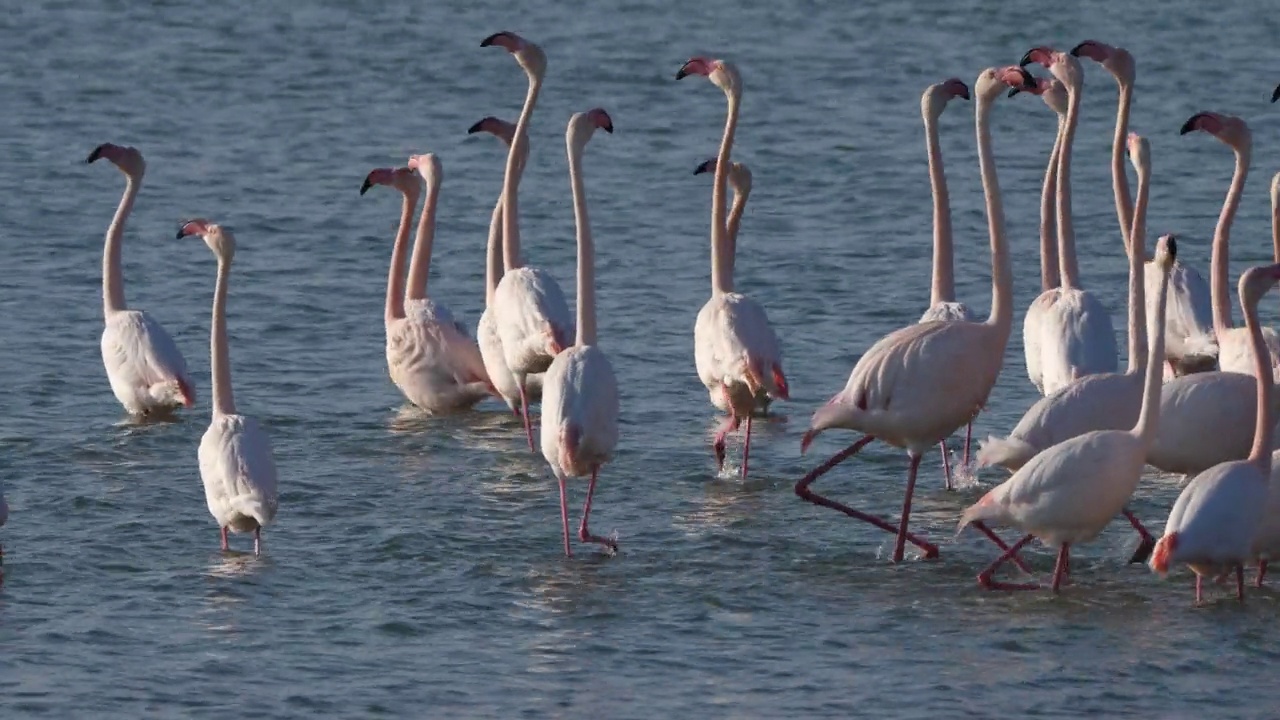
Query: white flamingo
[[236, 462], [1215, 521], [1233, 343], [1069, 492], [921, 383], [580, 392], [1076, 335], [529, 308], [735, 350], [1190, 344], [148, 374], [495, 363]]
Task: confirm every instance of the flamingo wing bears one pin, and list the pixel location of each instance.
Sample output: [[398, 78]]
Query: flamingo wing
[[139, 353], [533, 319], [238, 468]]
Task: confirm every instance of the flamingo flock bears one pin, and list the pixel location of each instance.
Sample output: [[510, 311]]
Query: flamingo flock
[[1197, 397]]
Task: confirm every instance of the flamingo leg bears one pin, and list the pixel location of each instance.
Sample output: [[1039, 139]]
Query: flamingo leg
[[564, 514], [985, 579], [802, 489], [968, 440], [718, 446], [1017, 560], [524, 414], [257, 540], [1148, 544], [746, 448], [913, 460], [1063, 567], [1199, 595], [1262, 572], [583, 533], [1240, 582], [225, 546], [946, 466]]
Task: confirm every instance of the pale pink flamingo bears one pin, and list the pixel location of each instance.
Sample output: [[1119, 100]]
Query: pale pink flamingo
[[495, 363], [147, 373], [735, 350], [921, 383], [580, 392], [1215, 521], [529, 308], [1266, 545], [942, 289], [1234, 345], [1069, 492], [237, 466], [1076, 336], [1190, 345]]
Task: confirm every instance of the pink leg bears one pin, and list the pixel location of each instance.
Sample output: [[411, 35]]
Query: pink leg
[[1199, 595], [257, 541], [1148, 544], [946, 466], [1062, 568], [524, 413], [746, 448], [982, 528], [968, 440], [802, 489], [913, 460], [718, 446], [1262, 572], [564, 515], [225, 546], [1240, 582], [583, 533], [985, 579]]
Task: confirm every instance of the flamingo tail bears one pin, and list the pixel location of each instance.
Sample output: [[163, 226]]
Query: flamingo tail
[[780, 383], [1009, 453], [1163, 554], [186, 392]]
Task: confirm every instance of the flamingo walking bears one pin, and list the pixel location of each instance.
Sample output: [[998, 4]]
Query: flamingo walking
[[580, 392], [1215, 521], [735, 350], [921, 383], [236, 463], [529, 308], [1068, 493], [148, 374]]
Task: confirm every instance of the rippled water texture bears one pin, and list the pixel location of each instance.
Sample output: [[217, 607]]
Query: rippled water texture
[[415, 568]]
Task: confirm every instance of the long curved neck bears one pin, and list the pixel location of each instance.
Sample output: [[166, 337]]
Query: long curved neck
[[1261, 452], [493, 255], [943, 288], [731, 230], [1275, 226], [1001, 274], [1066, 231], [395, 277], [1218, 289], [721, 273], [1050, 276], [586, 252], [1149, 416], [511, 180], [1137, 278], [112, 276], [224, 402], [1119, 176], [420, 264]]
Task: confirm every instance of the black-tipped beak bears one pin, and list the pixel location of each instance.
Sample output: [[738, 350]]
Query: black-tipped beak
[[1172, 246], [475, 128], [181, 234], [1014, 91], [1026, 59], [97, 152], [1075, 51], [607, 126], [680, 74], [1028, 80], [1275, 94], [365, 187], [705, 167], [1189, 125], [489, 40]]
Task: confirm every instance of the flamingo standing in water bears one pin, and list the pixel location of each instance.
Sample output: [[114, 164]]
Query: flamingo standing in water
[[1069, 492], [236, 463], [1215, 521], [148, 374], [921, 383], [495, 363], [580, 392], [1076, 336], [942, 291], [529, 308], [1233, 343], [735, 350]]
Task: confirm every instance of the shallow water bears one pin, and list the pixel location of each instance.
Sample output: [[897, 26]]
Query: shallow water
[[415, 567]]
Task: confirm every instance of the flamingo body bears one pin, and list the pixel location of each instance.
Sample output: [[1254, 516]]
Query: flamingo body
[[1235, 354], [146, 371], [1214, 522], [435, 366], [1205, 419], [533, 319], [579, 412], [1076, 339], [239, 473], [495, 364], [736, 352], [1190, 344], [1266, 543]]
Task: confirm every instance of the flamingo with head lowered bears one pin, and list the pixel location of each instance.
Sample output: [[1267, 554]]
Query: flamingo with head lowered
[[148, 374], [529, 308], [580, 391], [237, 465], [735, 349], [921, 383]]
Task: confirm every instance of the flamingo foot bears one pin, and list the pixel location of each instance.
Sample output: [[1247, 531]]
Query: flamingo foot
[[1016, 558], [1148, 543], [225, 546], [584, 534]]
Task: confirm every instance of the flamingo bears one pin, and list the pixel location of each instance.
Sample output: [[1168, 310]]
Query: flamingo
[[580, 392], [1069, 492], [1076, 336], [1215, 521], [735, 350], [1190, 344], [236, 462], [495, 363], [148, 374], [921, 383], [529, 309], [740, 180], [942, 292], [1233, 343]]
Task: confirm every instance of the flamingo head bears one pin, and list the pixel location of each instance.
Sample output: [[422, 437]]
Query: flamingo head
[[401, 178], [584, 124], [1116, 60], [1255, 282], [722, 73], [428, 166], [1050, 90], [1166, 252], [1139, 152], [1228, 128], [936, 96], [995, 79], [528, 54], [219, 239], [501, 129], [1064, 66], [739, 175], [125, 157]]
